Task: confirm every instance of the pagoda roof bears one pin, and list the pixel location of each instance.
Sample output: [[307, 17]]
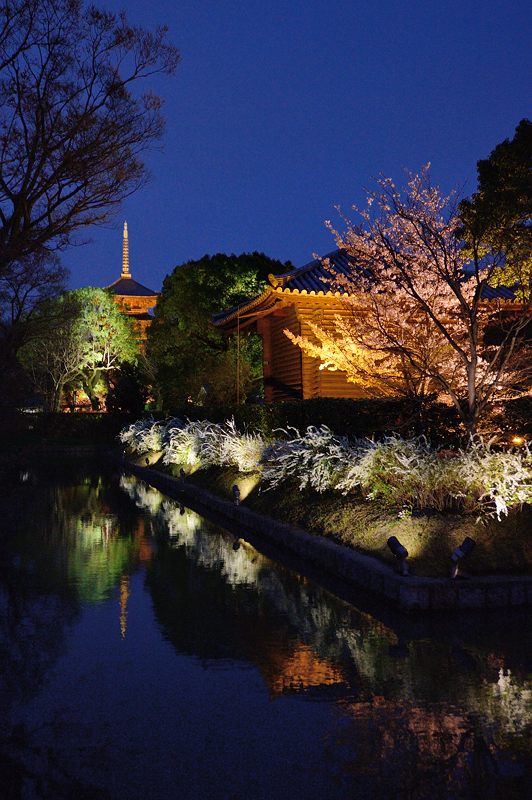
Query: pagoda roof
[[129, 287]]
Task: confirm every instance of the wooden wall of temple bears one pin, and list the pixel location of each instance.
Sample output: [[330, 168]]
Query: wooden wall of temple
[[289, 373], [281, 359]]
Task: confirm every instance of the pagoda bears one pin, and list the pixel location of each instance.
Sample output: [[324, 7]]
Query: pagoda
[[132, 297]]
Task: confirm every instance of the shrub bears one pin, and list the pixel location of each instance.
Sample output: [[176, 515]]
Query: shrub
[[241, 450], [405, 474], [412, 475], [143, 436], [316, 459], [191, 445]]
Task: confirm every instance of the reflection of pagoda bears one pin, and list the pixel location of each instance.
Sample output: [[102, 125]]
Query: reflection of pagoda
[[133, 298]]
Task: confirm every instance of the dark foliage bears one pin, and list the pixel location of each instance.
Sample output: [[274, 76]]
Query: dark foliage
[[356, 418], [128, 391], [192, 357]]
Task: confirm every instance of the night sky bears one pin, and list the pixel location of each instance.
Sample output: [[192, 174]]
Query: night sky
[[281, 110]]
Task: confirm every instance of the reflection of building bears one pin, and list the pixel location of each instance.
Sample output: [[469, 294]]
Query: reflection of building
[[298, 670], [133, 298]]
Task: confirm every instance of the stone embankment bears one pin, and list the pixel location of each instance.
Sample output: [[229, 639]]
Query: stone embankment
[[410, 593]]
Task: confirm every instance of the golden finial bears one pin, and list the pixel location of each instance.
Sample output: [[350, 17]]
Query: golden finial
[[125, 254]]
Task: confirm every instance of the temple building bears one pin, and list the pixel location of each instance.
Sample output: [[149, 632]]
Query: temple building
[[291, 301], [133, 298], [310, 294]]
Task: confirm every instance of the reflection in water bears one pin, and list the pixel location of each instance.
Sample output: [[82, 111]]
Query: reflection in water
[[444, 713], [124, 597], [112, 587]]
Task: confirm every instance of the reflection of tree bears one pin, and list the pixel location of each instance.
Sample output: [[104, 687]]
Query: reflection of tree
[[437, 708], [36, 610], [412, 751], [101, 544], [60, 544]]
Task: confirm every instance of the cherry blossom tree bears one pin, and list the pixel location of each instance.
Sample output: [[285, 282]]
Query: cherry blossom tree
[[419, 304]]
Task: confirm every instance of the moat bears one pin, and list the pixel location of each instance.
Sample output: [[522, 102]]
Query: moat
[[147, 653]]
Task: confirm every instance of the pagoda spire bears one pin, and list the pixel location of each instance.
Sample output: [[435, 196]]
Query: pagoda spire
[[125, 254]]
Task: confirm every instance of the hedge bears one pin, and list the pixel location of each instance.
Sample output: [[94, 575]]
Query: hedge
[[355, 418]]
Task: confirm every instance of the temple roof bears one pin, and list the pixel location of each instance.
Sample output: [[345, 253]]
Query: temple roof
[[316, 276], [129, 287], [499, 292]]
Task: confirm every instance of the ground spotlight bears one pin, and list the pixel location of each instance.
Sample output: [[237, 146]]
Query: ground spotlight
[[182, 475], [236, 495], [147, 461], [461, 552], [236, 544], [401, 554]]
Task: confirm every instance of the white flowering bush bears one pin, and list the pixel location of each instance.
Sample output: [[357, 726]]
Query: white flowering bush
[[493, 481], [410, 474], [169, 425], [191, 446], [395, 471], [404, 474], [143, 436], [316, 459], [148, 435], [241, 450]]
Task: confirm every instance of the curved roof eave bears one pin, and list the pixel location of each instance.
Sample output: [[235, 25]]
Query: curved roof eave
[[266, 299]]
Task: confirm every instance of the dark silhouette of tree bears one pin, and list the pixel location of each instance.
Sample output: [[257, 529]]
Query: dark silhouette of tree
[[188, 351], [73, 127], [498, 216], [128, 389], [25, 288]]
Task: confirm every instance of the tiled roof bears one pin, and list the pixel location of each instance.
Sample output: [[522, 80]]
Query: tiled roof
[[498, 292], [142, 316], [128, 287], [318, 276], [266, 300], [315, 277]]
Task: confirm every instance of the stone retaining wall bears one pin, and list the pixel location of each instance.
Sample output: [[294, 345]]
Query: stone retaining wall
[[409, 593]]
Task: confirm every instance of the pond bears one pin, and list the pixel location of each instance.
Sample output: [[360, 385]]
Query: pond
[[148, 653]]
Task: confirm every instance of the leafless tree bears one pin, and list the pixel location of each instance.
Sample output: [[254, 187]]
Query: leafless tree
[[73, 127]]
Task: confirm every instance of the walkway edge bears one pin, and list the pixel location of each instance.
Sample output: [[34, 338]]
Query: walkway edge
[[407, 593]]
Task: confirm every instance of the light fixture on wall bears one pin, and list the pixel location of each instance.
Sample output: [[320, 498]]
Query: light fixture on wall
[[461, 552], [401, 554]]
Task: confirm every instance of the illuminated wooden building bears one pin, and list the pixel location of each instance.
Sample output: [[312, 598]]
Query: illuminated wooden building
[[291, 301], [133, 298]]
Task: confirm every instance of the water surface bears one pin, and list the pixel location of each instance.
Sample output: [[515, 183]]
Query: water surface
[[147, 653]]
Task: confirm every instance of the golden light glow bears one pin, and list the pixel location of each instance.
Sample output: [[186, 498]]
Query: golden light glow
[[304, 669], [147, 459], [125, 254], [246, 485], [517, 440]]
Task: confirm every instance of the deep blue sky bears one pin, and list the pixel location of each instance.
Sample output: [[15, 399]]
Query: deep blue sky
[[281, 110]]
